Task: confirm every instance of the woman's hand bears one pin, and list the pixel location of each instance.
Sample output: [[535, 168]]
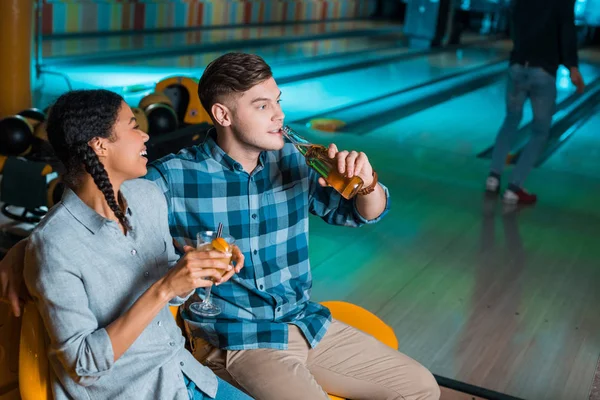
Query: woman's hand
[[195, 269]]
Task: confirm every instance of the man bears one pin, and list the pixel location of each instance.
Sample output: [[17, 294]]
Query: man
[[544, 37], [270, 339]]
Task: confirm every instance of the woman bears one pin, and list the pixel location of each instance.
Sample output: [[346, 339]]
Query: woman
[[102, 269]]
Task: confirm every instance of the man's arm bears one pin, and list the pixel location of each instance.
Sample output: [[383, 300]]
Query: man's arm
[[568, 35], [352, 163], [568, 43], [372, 205], [156, 175], [334, 209]]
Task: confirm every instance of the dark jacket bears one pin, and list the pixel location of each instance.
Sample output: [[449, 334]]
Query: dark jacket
[[543, 32]]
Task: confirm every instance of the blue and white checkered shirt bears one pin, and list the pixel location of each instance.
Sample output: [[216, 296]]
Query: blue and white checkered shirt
[[267, 212]]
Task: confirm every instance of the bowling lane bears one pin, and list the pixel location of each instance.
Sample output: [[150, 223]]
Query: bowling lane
[[285, 53], [308, 98], [292, 53], [363, 117], [136, 78], [468, 124], [581, 152], [57, 48], [287, 60]]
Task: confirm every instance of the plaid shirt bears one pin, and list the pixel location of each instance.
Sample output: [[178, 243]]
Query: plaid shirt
[[267, 212]]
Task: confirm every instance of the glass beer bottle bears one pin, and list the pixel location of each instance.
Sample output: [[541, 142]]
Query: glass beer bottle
[[317, 158]]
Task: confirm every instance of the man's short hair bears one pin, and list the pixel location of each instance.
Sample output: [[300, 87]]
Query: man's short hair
[[230, 74]]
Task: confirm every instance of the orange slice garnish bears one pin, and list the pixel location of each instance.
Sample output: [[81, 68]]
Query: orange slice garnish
[[221, 245]]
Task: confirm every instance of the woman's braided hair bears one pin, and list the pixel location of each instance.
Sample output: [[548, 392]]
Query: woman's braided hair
[[76, 118]]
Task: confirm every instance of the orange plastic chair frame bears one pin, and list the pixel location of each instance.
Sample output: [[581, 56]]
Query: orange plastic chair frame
[[194, 113]]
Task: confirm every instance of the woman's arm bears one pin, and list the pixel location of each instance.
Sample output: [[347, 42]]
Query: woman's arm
[[189, 273], [87, 350]]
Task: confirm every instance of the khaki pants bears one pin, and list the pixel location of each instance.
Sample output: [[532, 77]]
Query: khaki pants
[[347, 363]]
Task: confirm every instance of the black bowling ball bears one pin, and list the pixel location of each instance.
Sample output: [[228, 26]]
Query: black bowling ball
[[16, 136], [34, 116], [161, 119]]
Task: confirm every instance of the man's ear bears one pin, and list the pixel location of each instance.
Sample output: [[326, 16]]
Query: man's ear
[[221, 114]]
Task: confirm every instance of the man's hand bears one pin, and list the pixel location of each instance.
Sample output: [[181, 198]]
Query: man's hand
[[12, 288], [577, 79], [351, 164], [237, 260]]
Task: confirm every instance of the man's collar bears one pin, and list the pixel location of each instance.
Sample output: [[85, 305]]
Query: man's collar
[[212, 149]]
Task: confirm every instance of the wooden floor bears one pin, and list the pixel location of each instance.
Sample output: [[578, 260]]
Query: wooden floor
[[449, 394], [504, 299], [595, 392]]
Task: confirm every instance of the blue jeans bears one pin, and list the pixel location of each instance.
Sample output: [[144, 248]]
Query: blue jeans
[[224, 391], [540, 87]]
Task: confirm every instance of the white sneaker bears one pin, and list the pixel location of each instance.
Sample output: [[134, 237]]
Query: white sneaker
[[492, 184], [520, 196], [510, 197]]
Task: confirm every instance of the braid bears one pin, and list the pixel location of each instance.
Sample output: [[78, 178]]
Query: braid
[[76, 118], [95, 168]]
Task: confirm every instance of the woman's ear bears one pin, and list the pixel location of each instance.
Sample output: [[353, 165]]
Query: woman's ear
[[99, 146]]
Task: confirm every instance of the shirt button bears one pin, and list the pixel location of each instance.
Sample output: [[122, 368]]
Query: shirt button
[[181, 363], [133, 252], [255, 252], [146, 274], [171, 344], [260, 287], [254, 216], [278, 309], [159, 323]]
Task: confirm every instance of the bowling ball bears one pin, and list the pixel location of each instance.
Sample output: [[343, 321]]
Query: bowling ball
[[41, 150], [40, 132], [16, 136], [141, 118], [34, 116], [154, 98], [161, 119]]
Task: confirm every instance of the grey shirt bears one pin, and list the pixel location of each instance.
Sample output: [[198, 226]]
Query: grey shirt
[[83, 273]]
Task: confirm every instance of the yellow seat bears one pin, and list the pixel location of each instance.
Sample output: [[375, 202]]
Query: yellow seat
[[33, 357], [363, 320], [33, 360], [355, 316]]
